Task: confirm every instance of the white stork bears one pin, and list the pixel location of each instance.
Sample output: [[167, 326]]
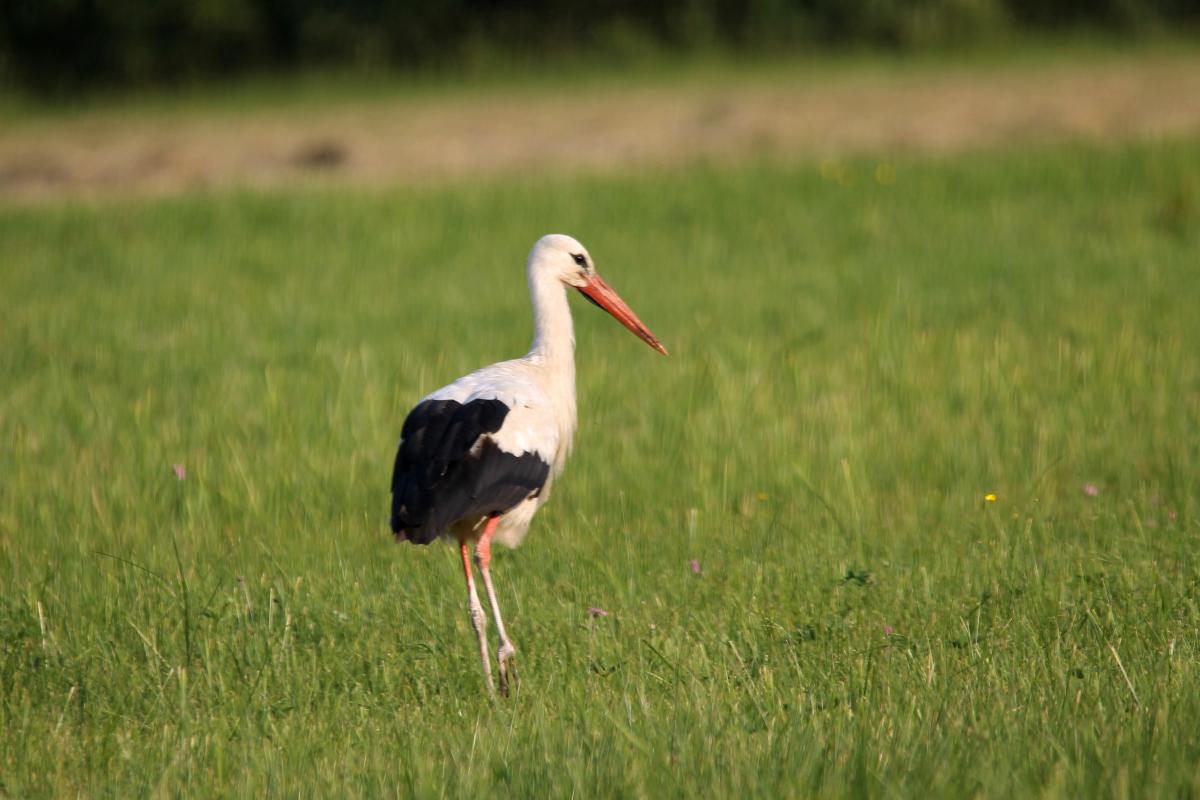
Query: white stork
[[477, 457]]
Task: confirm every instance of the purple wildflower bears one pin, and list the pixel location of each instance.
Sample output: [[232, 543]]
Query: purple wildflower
[[695, 565], [888, 630], [596, 611], [180, 471], [1090, 489]]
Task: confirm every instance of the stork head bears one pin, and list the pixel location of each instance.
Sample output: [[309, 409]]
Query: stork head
[[562, 258]]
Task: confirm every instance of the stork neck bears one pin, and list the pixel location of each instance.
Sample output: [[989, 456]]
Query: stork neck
[[553, 331]]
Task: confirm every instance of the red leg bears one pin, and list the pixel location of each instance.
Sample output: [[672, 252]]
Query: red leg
[[478, 618], [483, 548], [483, 559], [466, 559]]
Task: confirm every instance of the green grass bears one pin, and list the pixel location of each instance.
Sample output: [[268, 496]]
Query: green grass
[[854, 366]]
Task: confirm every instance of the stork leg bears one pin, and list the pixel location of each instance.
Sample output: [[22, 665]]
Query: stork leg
[[478, 618], [483, 560]]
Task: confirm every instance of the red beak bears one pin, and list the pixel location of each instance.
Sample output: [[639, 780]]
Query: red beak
[[603, 295]]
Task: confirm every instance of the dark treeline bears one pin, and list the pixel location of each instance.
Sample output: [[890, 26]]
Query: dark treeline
[[56, 46]]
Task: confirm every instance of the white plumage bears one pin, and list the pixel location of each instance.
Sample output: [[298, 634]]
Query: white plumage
[[540, 421]]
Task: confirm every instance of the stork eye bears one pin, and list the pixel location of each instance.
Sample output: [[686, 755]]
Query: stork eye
[[579, 259]]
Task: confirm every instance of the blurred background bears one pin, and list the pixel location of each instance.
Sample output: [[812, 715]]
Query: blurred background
[[102, 96], [74, 45]]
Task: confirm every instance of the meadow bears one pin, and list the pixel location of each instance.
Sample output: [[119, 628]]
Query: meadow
[[910, 509]]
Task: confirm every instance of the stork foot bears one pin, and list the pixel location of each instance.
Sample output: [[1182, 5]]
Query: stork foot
[[507, 657]]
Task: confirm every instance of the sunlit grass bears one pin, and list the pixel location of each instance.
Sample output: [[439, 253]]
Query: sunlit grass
[[930, 439]]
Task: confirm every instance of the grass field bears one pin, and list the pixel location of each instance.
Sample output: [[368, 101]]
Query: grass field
[[861, 351]]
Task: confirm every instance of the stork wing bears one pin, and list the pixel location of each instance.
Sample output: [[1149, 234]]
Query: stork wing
[[450, 467]]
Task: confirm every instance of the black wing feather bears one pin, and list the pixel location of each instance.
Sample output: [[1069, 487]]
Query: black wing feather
[[440, 476]]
